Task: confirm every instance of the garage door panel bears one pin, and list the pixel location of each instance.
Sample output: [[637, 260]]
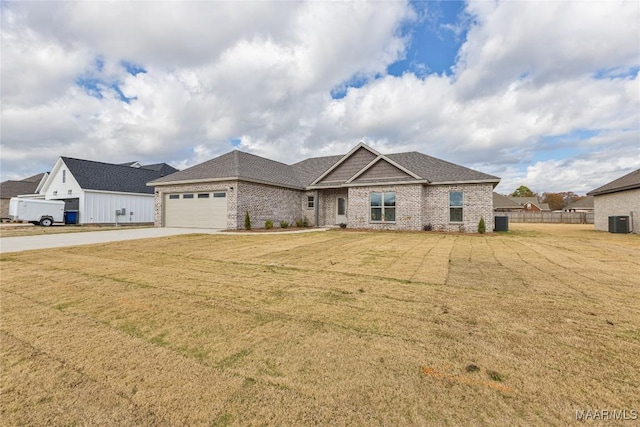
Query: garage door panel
[[197, 212]]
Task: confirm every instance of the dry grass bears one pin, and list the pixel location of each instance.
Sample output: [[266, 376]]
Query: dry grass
[[337, 328], [11, 230]]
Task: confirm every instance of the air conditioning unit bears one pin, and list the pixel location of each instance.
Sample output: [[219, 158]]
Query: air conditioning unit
[[618, 224]]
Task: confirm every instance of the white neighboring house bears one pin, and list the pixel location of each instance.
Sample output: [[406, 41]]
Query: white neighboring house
[[97, 190]]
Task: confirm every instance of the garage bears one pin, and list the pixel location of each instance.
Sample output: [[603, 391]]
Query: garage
[[198, 210]]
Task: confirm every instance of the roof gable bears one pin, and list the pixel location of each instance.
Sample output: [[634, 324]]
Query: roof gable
[[629, 181], [381, 171], [349, 166]]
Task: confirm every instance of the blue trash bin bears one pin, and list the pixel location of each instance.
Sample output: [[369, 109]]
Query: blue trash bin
[[71, 217]]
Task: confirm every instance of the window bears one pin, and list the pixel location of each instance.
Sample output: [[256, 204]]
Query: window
[[203, 196], [187, 196], [383, 207], [64, 176], [219, 194], [311, 202], [174, 196], [455, 206]]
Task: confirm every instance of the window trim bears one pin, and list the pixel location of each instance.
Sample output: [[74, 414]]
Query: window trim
[[461, 207], [383, 207], [311, 202]]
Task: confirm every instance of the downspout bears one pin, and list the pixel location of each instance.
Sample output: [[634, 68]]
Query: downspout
[[316, 211]]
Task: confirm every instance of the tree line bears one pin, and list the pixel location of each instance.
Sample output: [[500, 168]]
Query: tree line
[[556, 201]]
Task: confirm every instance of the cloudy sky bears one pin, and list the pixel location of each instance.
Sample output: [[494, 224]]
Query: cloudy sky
[[544, 94]]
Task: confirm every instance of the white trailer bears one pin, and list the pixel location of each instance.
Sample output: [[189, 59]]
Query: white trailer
[[36, 211]]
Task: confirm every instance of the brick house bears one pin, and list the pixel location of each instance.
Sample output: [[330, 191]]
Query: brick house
[[363, 189], [620, 197]]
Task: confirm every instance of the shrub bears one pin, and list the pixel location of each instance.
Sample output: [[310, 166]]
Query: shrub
[[305, 222], [428, 227], [299, 223], [247, 221], [284, 224], [268, 224], [343, 225], [482, 228]]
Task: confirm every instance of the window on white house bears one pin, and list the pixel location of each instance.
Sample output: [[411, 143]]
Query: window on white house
[[383, 206], [187, 196], [311, 202], [174, 196], [203, 196], [64, 176], [455, 206], [219, 195]]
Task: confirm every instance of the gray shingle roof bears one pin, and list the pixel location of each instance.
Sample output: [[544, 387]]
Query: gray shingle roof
[[110, 177], [436, 170], [14, 188], [238, 165], [241, 165], [504, 202], [629, 181], [584, 203], [309, 170]]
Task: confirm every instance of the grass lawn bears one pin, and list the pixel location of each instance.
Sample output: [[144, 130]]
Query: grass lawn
[[334, 328], [36, 230]]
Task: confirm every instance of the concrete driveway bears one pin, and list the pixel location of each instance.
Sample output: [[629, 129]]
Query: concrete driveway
[[27, 243]]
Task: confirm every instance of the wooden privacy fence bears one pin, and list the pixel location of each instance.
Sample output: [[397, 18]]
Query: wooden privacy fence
[[550, 217]]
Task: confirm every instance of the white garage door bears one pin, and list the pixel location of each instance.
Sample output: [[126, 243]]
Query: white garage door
[[199, 210]]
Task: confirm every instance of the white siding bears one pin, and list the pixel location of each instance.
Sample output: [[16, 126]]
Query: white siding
[[70, 189], [100, 208]]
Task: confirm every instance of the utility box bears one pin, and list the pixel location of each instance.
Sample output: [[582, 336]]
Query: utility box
[[37, 211], [618, 224], [501, 223]]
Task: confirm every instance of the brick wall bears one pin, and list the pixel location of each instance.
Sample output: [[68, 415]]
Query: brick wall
[[4, 208], [231, 187], [614, 204], [408, 207], [267, 202], [477, 202]]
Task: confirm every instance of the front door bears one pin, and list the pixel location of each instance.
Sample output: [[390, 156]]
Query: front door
[[341, 209]]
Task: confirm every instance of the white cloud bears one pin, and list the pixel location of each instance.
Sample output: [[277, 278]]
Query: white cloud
[[263, 72]]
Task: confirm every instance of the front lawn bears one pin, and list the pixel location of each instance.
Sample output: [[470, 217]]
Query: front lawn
[[335, 328]]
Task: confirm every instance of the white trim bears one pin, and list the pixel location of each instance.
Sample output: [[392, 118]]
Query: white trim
[[480, 181], [118, 192], [45, 186], [369, 184]]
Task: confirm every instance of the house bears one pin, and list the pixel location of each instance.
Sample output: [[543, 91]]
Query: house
[[620, 197], [585, 204], [531, 204], [9, 189], [363, 189], [96, 190], [505, 204]]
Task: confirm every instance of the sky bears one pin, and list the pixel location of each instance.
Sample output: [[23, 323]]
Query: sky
[[542, 94]]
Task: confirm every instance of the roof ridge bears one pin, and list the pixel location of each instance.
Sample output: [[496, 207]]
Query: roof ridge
[[105, 163]]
